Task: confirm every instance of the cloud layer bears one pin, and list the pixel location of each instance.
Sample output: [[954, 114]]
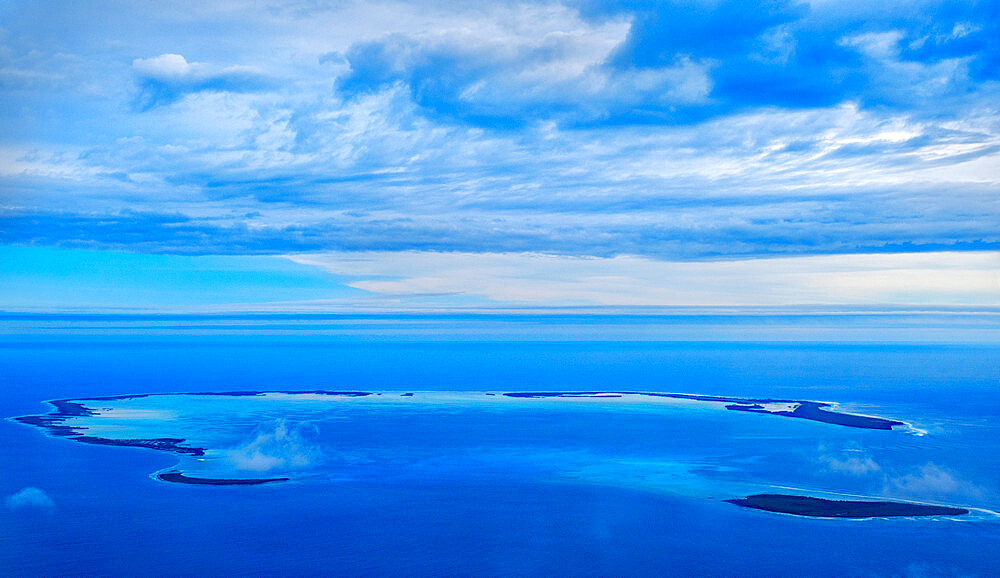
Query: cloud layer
[[669, 131], [537, 279]]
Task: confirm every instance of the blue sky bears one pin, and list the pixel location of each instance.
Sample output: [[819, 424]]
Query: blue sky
[[543, 153]]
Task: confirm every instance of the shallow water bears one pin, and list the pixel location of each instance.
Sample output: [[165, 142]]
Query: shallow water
[[441, 483]]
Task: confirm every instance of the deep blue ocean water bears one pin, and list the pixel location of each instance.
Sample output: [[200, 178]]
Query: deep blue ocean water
[[581, 500]]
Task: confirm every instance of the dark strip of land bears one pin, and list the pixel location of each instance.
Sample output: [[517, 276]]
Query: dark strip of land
[[811, 410], [162, 444], [180, 478], [820, 508], [814, 411]]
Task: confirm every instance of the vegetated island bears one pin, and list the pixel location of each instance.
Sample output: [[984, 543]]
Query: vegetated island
[[811, 410], [180, 478], [821, 508]]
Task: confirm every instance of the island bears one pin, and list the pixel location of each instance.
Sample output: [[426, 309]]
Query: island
[[822, 508], [180, 478], [811, 410]]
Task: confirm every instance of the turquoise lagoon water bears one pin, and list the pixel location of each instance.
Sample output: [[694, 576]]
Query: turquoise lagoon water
[[454, 481]]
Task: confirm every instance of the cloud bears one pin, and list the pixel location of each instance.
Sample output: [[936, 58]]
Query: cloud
[[931, 480], [764, 54], [168, 67], [924, 482], [29, 498], [671, 131], [376, 178], [277, 446], [166, 78], [530, 278], [854, 463], [965, 30], [536, 63], [792, 54], [652, 63]]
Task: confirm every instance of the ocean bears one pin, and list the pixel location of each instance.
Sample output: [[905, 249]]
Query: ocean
[[454, 481]]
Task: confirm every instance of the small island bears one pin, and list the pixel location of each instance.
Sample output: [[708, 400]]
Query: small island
[[821, 508], [811, 410], [180, 478]]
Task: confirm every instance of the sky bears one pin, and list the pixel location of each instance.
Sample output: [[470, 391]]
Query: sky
[[310, 153]]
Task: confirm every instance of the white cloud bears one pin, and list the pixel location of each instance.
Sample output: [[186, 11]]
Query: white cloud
[[176, 68], [168, 78], [971, 278], [277, 446], [517, 59], [854, 463], [167, 66], [880, 45], [29, 497], [931, 480]]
